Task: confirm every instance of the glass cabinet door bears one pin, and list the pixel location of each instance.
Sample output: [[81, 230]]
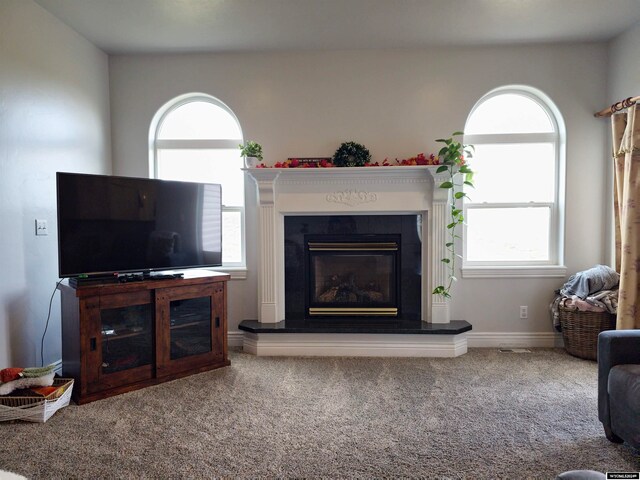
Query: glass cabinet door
[[190, 327], [127, 337], [120, 331]]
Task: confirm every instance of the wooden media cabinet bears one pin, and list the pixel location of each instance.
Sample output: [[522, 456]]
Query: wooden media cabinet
[[118, 337]]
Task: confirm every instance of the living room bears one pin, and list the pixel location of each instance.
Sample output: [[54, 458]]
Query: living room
[[70, 105]]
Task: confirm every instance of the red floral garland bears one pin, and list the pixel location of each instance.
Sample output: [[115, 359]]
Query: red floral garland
[[419, 159]]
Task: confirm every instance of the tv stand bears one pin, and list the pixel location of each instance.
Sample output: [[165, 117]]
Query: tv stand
[[118, 337]]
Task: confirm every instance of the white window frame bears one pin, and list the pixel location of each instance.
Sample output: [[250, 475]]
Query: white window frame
[[554, 267], [237, 270]]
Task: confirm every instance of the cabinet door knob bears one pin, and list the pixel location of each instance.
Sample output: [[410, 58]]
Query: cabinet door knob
[[217, 322], [92, 343]]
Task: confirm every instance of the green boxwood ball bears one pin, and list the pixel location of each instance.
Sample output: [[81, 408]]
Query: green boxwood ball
[[351, 154]]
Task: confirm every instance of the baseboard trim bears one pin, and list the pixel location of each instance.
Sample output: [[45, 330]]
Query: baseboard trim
[[235, 338], [354, 345], [514, 339], [276, 345]]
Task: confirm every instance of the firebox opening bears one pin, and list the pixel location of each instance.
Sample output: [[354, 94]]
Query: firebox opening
[[352, 275], [385, 274]]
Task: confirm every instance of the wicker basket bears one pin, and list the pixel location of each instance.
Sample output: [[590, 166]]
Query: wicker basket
[[580, 330], [37, 409]]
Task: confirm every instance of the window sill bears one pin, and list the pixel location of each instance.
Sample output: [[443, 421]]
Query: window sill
[[237, 273], [538, 271]]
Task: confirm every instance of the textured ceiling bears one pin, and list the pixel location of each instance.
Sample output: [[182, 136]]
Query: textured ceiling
[[155, 26]]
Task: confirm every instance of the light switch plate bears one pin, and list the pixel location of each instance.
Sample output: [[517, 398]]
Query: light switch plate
[[41, 227]]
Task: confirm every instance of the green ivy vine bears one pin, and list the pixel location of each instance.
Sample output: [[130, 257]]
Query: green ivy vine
[[452, 160]]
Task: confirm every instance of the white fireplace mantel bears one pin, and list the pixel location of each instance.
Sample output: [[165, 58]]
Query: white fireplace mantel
[[357, 190]]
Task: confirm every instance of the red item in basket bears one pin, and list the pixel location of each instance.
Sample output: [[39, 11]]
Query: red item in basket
[[45, 391], [10, 374]]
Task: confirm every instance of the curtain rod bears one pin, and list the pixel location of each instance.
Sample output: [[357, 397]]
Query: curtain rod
[[616, 107]]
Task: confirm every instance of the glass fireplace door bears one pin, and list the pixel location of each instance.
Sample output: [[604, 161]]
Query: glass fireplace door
[[352, 279]]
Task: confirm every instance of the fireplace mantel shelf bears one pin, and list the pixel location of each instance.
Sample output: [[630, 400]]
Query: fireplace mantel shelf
[[407, 169], [381, 175]]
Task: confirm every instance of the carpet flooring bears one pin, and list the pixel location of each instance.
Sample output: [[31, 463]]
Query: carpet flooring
[[485, 414]]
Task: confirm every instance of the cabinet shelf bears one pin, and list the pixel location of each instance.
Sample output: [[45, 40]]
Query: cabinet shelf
[[122, 334], [190, 324], [142, 347]]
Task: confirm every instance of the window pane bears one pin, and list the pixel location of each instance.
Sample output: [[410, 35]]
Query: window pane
[[509, 113], [508, 234], [231, 237], [211, 223], [208, 166], [199, 120], [513, 173]]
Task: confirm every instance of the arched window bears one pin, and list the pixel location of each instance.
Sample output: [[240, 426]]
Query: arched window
[[195, 138], [514, 217]]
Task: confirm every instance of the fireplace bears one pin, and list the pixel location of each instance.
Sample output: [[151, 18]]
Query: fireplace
[[299, 206], [353, 266], [352, 275]]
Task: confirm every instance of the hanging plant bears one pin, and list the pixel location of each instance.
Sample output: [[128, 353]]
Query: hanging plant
[[351, 154], [452, 159]]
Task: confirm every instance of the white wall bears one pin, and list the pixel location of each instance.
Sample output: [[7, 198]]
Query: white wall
[[623, 82], [396, 103], [624, 66], [54, 116]]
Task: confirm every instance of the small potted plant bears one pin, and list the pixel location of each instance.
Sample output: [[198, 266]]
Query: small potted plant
[[252, 153]]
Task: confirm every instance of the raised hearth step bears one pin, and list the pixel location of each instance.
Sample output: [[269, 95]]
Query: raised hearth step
[[357, 326]]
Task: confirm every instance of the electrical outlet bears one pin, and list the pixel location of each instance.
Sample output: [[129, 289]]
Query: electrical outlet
[[41, 227], [524, 311]]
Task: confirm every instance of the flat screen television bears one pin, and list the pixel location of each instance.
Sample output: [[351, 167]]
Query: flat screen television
[[109, 224]]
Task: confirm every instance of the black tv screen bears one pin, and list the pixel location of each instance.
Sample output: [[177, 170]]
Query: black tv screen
[[109, 224]]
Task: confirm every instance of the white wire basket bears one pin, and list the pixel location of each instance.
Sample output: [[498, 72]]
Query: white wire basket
[[37, 409]]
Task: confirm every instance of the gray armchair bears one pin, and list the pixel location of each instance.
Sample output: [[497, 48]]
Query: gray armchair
[[619, 385]]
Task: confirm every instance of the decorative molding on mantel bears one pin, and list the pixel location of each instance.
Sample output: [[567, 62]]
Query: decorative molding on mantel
[[352, 197], [347, 180], [267, 178], [266, 194], [359, 175]]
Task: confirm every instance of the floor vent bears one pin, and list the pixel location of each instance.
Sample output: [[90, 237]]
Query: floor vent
[[514, 350]]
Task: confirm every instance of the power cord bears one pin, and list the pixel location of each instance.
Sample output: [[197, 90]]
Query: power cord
[[47, 324]]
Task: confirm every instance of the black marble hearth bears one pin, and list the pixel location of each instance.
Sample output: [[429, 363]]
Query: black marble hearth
[[358, 325]]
